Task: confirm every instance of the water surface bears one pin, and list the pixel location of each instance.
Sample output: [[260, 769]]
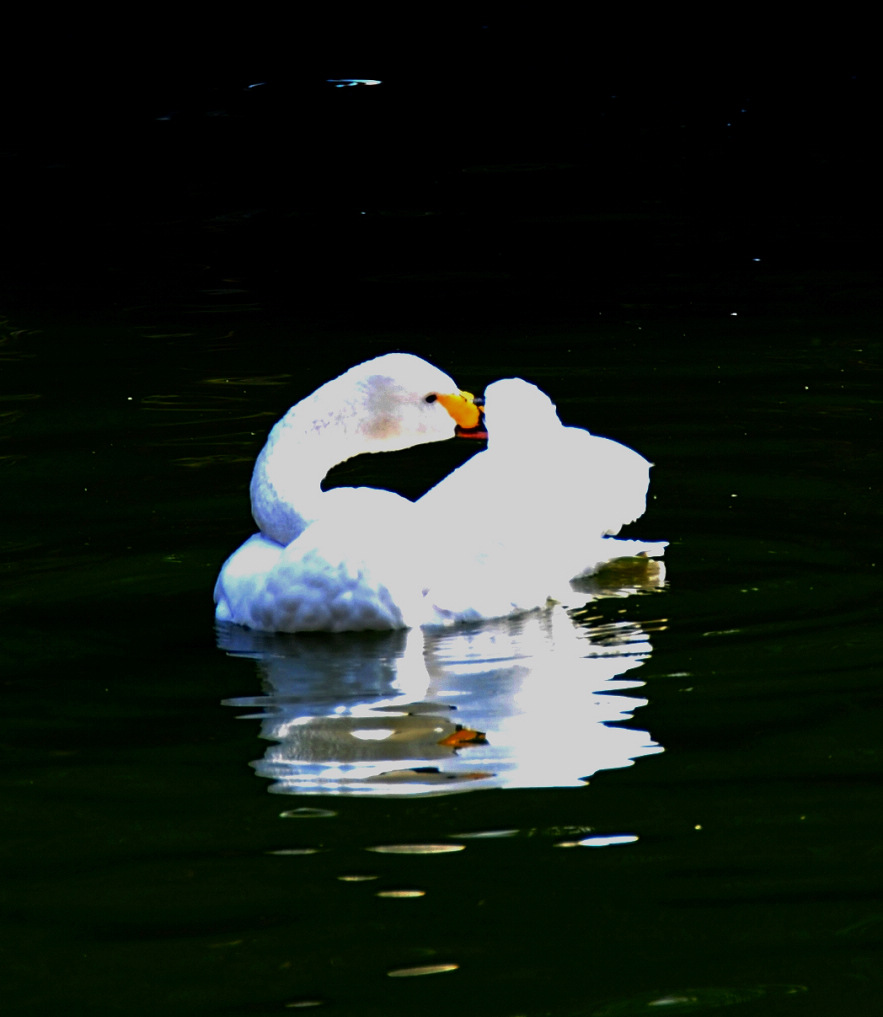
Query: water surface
[[667, 800]]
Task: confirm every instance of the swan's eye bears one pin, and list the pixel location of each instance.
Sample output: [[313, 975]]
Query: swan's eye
[[431, 398]]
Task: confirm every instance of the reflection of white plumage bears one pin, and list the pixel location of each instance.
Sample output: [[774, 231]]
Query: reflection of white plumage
[[348, 558], [377, 716], [501, 534]]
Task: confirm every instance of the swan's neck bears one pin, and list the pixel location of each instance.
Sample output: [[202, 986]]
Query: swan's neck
[[286, 491], [361, 411]]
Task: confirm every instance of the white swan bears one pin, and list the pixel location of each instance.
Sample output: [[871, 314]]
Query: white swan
[[503, 533], [349, 558], [547, 501]]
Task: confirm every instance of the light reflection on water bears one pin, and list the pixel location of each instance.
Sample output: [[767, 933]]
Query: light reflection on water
[[527, 702]]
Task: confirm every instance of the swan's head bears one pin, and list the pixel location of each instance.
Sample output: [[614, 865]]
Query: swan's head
[[518, 412], [399, 400]]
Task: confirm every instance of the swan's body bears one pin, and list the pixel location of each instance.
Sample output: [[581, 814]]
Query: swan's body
[[501, 534]]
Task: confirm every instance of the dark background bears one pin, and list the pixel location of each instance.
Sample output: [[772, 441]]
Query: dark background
[[594, 162]]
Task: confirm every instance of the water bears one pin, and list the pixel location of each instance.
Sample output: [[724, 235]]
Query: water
[[675, 802]]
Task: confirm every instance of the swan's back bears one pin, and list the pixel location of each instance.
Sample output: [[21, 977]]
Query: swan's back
[[535, 469], [535, 509]]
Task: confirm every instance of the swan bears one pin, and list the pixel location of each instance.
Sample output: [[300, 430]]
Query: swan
[[348, 558], [502, 534], [548, 502]]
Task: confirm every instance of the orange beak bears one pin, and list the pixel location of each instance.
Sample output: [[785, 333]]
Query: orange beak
[[467, 414]]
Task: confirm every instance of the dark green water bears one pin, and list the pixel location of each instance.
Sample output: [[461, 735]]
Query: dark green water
[[148, 870]]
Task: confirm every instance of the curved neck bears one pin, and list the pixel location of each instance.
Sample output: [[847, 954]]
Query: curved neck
[[286, 483]]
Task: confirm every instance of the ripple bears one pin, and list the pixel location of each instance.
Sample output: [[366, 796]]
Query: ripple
[[307, 813], [600, 841], [692, 1000], [487, 834], [401, 894], [424, 969], [417, 849]]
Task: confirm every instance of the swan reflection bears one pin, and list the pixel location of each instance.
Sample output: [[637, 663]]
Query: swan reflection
[[532, 701]]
